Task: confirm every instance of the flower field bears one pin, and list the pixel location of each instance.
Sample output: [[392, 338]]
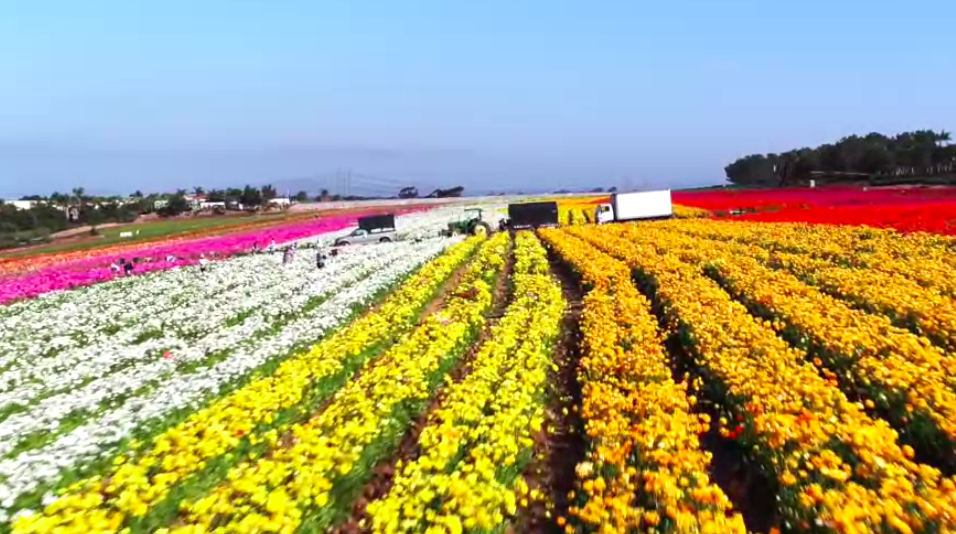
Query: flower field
[[901, 208], [693, 375]]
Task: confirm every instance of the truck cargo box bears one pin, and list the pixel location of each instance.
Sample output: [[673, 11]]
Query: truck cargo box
[[642, 205], [533, 214], [377, 222]]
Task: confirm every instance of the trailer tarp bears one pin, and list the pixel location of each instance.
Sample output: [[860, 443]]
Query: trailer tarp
[[377, 222], [533, 214]]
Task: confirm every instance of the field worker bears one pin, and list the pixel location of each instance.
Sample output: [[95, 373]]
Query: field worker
[[287, 256], [319, 259], [202, 263], [129, 268]]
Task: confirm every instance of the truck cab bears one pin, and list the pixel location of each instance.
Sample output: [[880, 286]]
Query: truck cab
[[604, 213]]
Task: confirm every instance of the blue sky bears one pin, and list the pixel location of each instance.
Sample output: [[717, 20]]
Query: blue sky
[[118, 95]]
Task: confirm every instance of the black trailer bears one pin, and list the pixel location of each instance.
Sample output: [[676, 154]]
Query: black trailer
[[533, 214], [377, 223]]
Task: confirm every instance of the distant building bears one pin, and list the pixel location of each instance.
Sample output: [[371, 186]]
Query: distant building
[[160, 204], [280, 202], [195, 201], [22, 204], [207, 205]]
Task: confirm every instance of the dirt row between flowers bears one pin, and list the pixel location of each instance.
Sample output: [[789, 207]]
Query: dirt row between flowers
[[751, 493], [383, 475], [562, 446], [559, 446], [288, 439]]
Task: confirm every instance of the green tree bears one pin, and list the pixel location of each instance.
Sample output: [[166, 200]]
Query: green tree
[[176, 205], [251, 197], [920, 153]]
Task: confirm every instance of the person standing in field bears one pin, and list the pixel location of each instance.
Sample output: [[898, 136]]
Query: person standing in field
[[202, 263]]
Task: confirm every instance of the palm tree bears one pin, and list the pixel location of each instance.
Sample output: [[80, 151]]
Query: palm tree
[[79, 194], [199, 191]]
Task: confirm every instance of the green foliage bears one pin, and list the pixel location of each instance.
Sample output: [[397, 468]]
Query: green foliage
[[176, 205], [922, 153]]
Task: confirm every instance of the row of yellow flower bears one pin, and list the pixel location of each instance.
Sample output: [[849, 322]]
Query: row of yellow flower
[[837, 469], [478, 440], [690, 212], [575, 215], [644, 467], [920, 307], [142, 480], [899, 372], [904, 301], [923, 259], [315, 478]]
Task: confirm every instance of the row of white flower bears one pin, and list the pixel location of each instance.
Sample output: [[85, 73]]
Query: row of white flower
[[287, 293], [59, 345], [266, 291], [83, 310], [100, 435]]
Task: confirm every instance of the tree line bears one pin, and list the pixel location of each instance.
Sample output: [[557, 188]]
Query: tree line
[[906, 157], [62, 211]]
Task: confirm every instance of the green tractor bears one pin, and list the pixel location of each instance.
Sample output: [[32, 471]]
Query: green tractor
[[470, 222]]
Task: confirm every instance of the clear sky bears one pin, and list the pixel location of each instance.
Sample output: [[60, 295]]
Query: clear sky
[[122, 95]]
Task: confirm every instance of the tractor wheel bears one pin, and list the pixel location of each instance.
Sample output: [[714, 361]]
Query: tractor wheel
[[384, 240], [480, 228]]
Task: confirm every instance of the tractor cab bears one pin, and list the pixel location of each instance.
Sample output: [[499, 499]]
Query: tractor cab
[[471, 221], [471, 214]]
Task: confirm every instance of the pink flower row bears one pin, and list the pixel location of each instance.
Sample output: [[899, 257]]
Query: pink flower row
[[93, 270]]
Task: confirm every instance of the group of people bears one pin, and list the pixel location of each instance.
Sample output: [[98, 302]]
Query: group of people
[[126, 267], [288, 253]]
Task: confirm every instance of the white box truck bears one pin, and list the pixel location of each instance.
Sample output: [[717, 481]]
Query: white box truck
[[633, 206]]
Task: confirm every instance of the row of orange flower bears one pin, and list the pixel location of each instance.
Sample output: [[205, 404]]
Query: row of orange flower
[[900, 373], [927, 259], [644, 466], [837, 470]]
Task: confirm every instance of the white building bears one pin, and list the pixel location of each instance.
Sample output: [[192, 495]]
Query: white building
[[282, 202], [21, 204]]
